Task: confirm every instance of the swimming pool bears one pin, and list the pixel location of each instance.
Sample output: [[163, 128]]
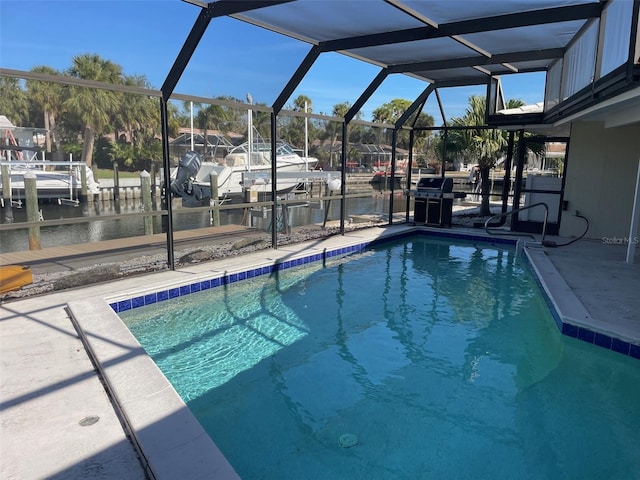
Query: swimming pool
[[441, 358]]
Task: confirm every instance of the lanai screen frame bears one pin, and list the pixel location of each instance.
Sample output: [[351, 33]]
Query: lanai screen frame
[[481, 67], [412, 28]]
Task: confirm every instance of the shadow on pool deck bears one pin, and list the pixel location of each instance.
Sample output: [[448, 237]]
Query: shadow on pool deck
[[48, 383]]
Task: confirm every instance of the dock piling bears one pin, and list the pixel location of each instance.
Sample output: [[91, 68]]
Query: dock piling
[[6, 186], [33, 213], [83, 185], [145, 186], [116, 182]]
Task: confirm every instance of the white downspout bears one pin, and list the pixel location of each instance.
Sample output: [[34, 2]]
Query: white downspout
[[250, 132], [192, 127], [306, 140]]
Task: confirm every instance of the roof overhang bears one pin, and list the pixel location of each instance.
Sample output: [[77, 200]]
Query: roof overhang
[[435, 41]]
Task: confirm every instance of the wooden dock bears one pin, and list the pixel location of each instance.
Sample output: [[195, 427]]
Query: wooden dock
[[27, 257]]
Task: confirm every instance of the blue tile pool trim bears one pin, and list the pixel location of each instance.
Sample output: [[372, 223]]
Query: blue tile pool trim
[[585, 334], [174, 292], [581, 333]]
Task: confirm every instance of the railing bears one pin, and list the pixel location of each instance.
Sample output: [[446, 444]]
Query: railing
[[527, 207]]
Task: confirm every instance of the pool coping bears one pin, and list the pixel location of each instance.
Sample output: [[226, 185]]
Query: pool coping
[[169, 440], [571, 317]]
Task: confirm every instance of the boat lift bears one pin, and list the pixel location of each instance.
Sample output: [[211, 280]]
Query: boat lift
[[20, 145], [27, 165], [333, 180]]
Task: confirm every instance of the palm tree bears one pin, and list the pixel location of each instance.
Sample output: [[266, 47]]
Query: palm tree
[[333, 129], [94, 107], [389, 113], [420, 137], [435, 150], [486, 146], [132, 111], [48, 97], [175, 118], [294, 131], [392, 111], [210, 118], [13, 101], [357, 132]]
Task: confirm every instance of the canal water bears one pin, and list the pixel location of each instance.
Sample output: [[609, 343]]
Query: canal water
[[96, 229]]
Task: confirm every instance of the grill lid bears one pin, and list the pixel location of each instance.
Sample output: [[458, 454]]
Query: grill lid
[[440, 184]]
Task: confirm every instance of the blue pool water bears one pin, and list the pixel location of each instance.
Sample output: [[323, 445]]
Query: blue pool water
[[441, 358]]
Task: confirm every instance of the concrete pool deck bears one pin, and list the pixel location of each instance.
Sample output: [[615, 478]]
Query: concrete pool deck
[[49, 387]]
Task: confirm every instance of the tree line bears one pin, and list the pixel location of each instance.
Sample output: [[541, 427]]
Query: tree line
[[75, 116], [111, 126], [124, 128]]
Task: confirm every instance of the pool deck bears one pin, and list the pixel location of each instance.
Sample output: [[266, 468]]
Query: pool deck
[[49, 386]]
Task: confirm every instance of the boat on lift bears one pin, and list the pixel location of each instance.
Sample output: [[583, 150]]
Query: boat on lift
[[55, 181], [61, 186], [246, 169]]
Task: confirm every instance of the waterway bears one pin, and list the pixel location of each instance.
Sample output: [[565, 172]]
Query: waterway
[[96, 229]]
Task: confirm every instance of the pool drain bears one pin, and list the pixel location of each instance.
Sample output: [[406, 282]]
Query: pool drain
[[90, 420], [348, 440]]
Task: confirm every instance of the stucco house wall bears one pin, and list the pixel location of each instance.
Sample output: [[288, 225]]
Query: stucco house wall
[[600, 179]]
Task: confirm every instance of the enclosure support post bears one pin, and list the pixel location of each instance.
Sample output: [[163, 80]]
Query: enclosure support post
[[517, 189], [274, 177], [408, 185], [343, 177], [393, 173], [213, 201], [166, 167]]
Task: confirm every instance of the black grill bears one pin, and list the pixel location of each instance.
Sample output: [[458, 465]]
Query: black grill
[[433, 204]]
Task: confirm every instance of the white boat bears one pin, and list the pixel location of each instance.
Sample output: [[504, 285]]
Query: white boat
[[246, 169], [63, 186], [59, 181]]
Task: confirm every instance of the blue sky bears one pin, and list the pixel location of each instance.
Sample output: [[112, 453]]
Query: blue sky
[[233, 58]]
